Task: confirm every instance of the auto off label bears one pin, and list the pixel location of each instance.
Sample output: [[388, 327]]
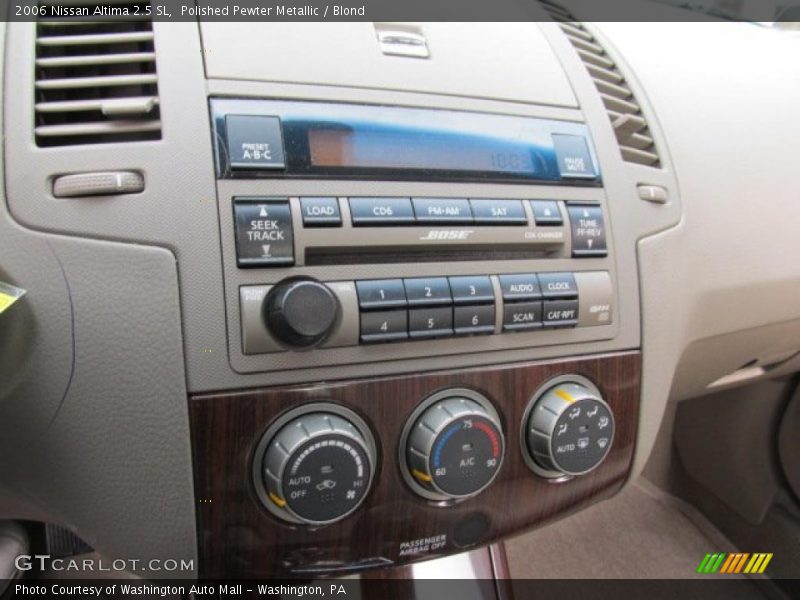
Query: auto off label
[[264, 233]]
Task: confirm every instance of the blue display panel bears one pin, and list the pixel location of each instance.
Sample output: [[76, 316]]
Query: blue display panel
[[257, 138]]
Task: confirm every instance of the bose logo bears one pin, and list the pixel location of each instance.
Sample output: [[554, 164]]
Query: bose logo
[[448, 234]]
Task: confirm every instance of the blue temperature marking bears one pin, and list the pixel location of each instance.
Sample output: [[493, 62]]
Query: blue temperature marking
[[437, 450]]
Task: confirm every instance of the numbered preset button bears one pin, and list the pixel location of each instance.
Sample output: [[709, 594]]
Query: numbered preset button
[[471, 289], [381, 293], [430, 322], [384, 326], [473, 320], [428, 291]]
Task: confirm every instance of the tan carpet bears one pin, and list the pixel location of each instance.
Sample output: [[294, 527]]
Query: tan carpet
[[640, 533]]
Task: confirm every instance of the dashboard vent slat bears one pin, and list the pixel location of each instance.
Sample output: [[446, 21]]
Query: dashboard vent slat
[[98, 38], [101, 81], [630, 127], [96, 59], [95, 81], [102, 128]]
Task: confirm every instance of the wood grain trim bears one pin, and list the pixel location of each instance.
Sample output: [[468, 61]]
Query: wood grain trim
[[238, 537]]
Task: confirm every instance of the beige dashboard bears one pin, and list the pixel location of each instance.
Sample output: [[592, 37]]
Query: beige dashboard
[[133, 301]]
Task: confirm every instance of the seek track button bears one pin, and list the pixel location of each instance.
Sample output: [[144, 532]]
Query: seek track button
[[264, 235]]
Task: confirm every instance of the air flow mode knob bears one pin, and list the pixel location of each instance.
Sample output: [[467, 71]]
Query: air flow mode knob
[[300, 312], [569, 429]]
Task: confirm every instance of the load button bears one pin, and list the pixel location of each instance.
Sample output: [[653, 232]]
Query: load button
[[264, 235]]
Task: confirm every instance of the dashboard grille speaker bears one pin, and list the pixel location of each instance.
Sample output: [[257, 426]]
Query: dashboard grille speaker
[[96, 79], [635, 142]]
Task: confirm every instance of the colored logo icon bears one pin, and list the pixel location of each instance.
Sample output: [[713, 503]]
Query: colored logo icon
[[732, 563]]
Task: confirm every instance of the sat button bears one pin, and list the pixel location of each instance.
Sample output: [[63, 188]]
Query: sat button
[[498, 212]]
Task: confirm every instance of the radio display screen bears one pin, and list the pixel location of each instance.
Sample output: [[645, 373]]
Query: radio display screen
[[396, 148], [281, 138]]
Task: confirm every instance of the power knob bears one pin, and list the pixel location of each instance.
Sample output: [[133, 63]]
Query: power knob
[[301, 313], [568, 429]]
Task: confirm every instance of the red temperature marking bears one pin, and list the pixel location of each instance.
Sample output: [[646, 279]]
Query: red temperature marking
[[492, 436]]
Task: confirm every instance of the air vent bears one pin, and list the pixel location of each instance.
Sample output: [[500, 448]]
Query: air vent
[[635, 142], [96, 80]]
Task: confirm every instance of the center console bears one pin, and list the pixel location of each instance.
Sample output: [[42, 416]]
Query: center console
[[368, 235]]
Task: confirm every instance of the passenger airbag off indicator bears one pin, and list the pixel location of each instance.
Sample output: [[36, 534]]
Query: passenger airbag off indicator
[[264, 236]]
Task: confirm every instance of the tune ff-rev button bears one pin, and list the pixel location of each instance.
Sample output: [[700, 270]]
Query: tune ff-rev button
[[317, 467], [454, 447], [588, 230], [264, 235]]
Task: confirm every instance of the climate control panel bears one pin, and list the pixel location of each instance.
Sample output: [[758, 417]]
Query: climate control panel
[[336, 477], [316, 463]]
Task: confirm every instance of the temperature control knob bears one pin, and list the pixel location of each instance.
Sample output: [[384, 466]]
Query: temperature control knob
[[300, 312], [316, 467], [453, 446], [569, 429]]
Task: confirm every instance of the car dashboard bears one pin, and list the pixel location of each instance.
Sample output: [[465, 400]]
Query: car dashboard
[[309, 299]]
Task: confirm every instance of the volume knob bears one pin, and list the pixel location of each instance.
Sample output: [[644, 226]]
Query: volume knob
[[300, 312]]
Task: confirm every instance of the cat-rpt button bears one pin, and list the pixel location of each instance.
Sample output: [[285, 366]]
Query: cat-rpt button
[[264, 236]]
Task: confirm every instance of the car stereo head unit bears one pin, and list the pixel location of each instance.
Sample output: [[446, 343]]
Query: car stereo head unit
[[365, 233], [311, 139]]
